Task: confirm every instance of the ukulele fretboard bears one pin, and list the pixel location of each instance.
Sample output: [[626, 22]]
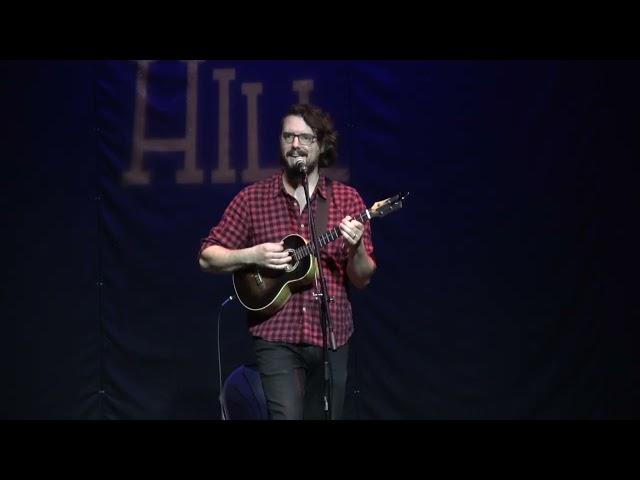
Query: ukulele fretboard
[[327, 237]]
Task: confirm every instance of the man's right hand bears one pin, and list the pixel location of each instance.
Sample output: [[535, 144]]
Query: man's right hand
[[271, 255]]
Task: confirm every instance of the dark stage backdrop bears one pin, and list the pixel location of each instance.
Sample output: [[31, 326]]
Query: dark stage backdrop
[[506, 286]]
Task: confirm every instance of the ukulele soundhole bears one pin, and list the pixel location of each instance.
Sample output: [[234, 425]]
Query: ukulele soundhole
[[291, 266]]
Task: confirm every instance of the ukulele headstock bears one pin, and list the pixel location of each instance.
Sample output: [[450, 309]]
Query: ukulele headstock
[[388, 205]]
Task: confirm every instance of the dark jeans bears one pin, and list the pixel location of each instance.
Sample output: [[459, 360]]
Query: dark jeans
[[293, 379]]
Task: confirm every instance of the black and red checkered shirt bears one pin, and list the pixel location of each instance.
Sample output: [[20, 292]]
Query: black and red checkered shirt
[[264, 212]]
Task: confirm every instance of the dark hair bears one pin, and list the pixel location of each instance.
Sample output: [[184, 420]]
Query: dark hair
[[322, 126]]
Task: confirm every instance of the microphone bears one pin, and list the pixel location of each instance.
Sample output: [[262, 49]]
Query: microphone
[[301, 164]]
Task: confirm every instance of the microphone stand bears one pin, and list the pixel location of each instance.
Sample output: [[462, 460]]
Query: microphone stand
[[325, 315]]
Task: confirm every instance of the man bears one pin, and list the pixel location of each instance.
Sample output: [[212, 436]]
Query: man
[[289, 343]]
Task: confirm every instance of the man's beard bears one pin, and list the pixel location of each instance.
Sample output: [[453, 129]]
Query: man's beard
[[293, 171]]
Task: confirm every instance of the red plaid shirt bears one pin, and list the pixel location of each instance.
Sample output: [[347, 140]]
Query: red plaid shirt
[[264, 212]]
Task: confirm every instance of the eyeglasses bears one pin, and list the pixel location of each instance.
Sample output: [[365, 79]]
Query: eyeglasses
[[304, 138]]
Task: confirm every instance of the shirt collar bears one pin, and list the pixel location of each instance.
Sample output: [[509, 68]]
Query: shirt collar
[[277, 186]]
